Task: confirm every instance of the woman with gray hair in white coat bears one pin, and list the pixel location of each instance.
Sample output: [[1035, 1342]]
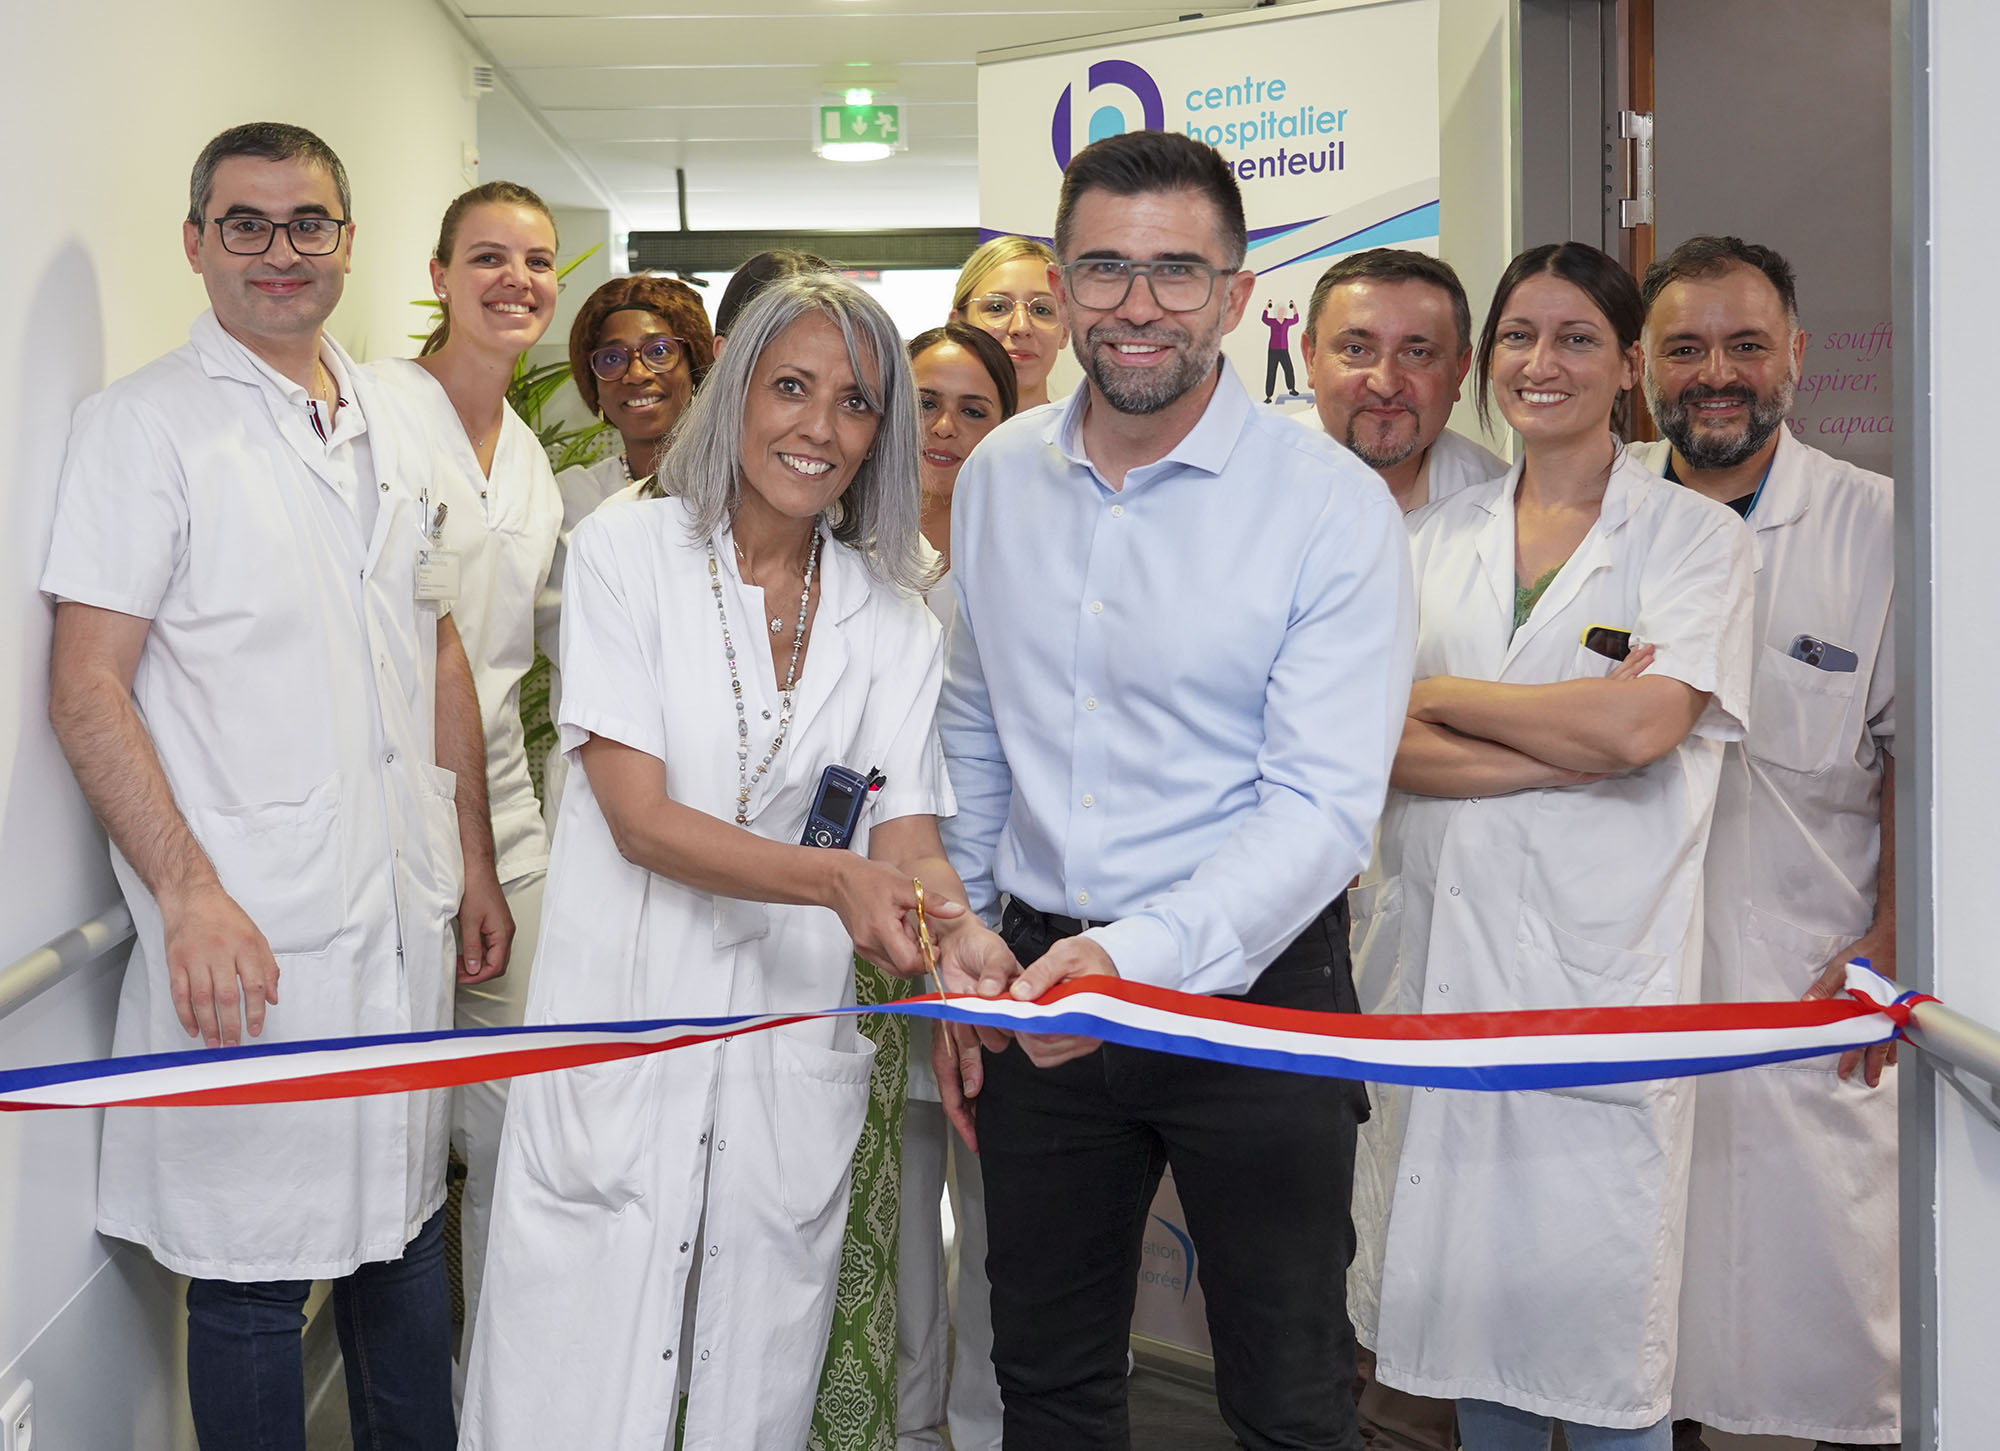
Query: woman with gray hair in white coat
[[667, 1231]]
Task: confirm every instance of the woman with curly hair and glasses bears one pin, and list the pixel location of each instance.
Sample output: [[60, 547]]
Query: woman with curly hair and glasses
[[638, 349]]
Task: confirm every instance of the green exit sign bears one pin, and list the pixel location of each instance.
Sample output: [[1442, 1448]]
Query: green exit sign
[[878, 123]]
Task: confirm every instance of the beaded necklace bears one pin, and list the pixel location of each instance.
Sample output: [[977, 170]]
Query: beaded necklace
[[744, 778]]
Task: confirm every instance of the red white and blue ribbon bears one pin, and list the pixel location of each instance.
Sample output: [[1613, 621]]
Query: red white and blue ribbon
[[1539, 1049]]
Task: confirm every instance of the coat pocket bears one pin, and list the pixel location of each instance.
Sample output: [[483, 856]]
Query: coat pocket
[[1781, 961], [818, 1107], [587, 1134], [1558, 969], [282, 863], [1798, 714]]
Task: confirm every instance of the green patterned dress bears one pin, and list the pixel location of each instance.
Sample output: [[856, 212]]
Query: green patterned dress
[[856, 1410]]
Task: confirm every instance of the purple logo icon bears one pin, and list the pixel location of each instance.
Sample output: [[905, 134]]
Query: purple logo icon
[[1109, 120]]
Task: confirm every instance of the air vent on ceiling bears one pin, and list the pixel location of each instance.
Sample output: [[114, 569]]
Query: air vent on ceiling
[[479, 80]]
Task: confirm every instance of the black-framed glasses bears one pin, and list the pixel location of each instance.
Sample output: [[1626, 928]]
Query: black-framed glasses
[[658, 352], [1101, 283], [997, 310], [251, 236]]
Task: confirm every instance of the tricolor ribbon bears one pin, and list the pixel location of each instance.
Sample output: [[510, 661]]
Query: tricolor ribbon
[[1559, 1048]]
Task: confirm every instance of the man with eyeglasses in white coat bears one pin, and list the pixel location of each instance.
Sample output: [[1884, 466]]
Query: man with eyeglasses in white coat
[[1788, 1323], [258, 695]]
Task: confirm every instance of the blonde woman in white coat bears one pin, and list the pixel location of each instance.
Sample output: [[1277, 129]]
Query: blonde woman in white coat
[[1542, 848], [671, 1227], [493, 531]]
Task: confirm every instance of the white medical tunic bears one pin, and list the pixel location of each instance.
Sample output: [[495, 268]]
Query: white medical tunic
[[1789, 1322], [617, 1182], [503, 527], [287, 685], [583, 488], [1524, 1247], [1455, 464]]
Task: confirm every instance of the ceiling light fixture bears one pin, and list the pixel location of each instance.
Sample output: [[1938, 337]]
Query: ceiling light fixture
[[856, 150], [860, 96]]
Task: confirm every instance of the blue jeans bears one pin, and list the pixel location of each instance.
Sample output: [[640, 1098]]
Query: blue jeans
[[246, 1377], [1490, 1426]]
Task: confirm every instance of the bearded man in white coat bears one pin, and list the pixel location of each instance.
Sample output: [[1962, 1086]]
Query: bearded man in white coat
[[262, 703], [1789, 1297]]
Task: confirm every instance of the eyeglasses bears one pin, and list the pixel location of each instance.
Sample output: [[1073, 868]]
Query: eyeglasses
[[1101, 283], [659, 353], [997, 309], [251, 236]]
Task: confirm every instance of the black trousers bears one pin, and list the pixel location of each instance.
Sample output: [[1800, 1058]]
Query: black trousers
[[1264, 1165], [1274, 359]]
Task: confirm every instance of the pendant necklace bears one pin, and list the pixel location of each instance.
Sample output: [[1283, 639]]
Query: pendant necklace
[[745, 779], [777, 621]]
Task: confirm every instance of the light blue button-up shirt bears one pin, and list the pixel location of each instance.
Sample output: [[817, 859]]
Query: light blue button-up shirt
[[1171, 708]]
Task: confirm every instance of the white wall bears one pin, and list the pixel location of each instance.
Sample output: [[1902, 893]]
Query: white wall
[[105, 103], [1947, 610]]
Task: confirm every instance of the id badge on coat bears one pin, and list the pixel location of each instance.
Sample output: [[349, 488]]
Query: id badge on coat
[[437, 574]]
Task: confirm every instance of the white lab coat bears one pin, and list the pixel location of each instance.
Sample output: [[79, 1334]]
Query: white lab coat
[[1455, 464], [1789, 1321], [287, 684], [503, 528], [616, 1182], [583, 488], [1524, 1247]]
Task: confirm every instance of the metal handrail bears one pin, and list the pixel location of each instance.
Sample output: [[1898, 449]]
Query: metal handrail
[[60, 957], [1960, 1044]]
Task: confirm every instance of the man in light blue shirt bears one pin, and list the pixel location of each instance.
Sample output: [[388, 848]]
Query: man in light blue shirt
[[1174, 691]]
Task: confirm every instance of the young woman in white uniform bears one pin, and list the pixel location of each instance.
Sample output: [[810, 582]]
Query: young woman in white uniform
[[496, 517], [638, 349], [672, 1225], [1542, 847], [965, 389]]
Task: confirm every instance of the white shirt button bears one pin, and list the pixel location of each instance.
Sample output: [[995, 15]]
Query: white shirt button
[[1444, 987], [1097, 607], [1414, 1179], [1454, 891], [1088, 799], [1117, 510], [1083, 899], [1090, 702]]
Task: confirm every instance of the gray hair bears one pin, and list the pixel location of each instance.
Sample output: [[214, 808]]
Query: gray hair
[[878, 514]]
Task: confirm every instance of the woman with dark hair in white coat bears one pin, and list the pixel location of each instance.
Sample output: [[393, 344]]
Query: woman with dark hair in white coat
[[1583, 652], [670, 1227]]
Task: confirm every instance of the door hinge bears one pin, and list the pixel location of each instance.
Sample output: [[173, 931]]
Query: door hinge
[[1636, 128]]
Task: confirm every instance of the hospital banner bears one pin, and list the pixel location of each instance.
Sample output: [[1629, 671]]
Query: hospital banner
[[1327, 113]]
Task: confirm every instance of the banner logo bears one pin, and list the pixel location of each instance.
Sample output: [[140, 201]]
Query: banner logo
[[1108, 119]]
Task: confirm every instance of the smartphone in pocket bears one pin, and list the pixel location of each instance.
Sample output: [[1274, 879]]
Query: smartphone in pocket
[[1611, 644], [1821, 655]]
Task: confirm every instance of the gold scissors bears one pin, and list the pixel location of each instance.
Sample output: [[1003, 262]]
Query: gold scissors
[[925, 941]]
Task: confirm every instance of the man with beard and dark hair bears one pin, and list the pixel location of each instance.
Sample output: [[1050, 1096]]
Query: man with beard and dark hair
[[1792, 1222], [1387, 345], [1174, 689]]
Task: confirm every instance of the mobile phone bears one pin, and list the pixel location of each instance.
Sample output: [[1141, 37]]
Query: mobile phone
[[836, 807], [1610, 643], [1837, 659]]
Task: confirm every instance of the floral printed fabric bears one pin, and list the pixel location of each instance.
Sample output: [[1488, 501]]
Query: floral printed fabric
[[857, 1385]]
